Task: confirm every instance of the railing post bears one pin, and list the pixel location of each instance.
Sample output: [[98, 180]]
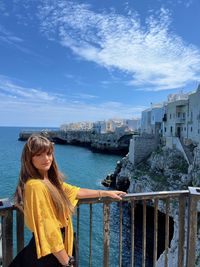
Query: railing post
[[182, 203], [106, 233], [78, 235], [20, 230], [7, 237], [90, 260], [144, 233], [192, 227], [155, 235]]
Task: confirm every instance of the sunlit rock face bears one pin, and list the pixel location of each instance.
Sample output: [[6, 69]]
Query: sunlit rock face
[[194, 168], [165, 170]]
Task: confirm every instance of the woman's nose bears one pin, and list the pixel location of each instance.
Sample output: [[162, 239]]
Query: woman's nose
[[45, 156]]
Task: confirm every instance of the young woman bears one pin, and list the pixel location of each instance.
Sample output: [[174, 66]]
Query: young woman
[[48, 203]]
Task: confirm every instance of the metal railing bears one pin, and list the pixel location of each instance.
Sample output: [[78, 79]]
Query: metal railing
[[183, 202]]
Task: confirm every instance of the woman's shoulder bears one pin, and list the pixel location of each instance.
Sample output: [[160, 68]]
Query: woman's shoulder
[[69, 186], [33, 182]]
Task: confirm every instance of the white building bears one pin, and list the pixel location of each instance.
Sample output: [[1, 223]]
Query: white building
[[151, 121], [146, 121], [122, 125], [99, 127], [111, 126], [157, 114], [175, 119], [182, 116], [77, 126], [132, 124], [193, 117]]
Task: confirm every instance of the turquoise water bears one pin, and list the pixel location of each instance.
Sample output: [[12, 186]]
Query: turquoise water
[[82, 167]]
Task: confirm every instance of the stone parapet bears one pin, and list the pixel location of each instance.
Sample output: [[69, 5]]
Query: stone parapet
[[141, 147]]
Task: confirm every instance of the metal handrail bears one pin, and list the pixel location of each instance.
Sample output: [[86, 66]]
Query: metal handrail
[[187, 200]]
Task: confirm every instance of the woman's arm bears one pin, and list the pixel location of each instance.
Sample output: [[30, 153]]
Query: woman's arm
[[89, 193], [62, 256]]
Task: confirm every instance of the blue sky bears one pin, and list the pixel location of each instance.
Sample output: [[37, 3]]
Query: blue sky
[[68, 61]]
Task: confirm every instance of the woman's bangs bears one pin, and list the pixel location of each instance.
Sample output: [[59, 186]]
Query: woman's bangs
[[41, 147]]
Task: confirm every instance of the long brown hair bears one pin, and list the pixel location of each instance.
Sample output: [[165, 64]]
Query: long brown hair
[[38, 144]]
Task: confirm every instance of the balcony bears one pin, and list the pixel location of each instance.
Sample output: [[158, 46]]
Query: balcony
[[164, 117], [185, 201], [180, 120]]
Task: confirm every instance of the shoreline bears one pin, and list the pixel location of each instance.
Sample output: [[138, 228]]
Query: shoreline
[[109, 143]]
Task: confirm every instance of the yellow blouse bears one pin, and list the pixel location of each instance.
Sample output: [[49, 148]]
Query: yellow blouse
[[40, 218]]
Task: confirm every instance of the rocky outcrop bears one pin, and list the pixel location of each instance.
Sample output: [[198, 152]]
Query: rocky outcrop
[[165, 170], [194, 168], [110, 143]]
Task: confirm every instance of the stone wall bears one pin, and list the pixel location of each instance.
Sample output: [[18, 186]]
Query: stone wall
[[141, 147], [174, 143]]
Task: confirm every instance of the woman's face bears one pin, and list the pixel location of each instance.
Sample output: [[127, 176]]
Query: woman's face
[[42, 162]]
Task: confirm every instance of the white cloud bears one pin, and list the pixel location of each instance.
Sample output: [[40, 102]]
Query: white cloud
[[85, 96], [8, 37], [152, 54], [11, 90], [24, 106]]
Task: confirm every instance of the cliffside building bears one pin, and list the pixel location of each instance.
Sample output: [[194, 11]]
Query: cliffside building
[[193, 129], [99, 127], [177, 121], [132, 124], [182, 117], [175, 118], [151, 120]]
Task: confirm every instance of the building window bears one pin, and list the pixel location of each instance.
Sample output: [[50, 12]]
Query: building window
[[191, 115], [179, 114], [183, 115], [184, 128], [165, 129], [171, 129], [191, 129], [170, 116], [198, 131]]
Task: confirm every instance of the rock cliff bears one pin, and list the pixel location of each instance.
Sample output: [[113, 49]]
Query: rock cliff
[[164, 170]]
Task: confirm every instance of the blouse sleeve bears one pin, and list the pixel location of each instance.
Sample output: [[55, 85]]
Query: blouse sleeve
[[40, 217], [71, 192]]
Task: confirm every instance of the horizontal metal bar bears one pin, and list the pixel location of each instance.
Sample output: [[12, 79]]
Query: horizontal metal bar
[[127, 197], [138, 196]]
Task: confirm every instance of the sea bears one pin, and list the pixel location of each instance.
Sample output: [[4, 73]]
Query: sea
[[82, 168]]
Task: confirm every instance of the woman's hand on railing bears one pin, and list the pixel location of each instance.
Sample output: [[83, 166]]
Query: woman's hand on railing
[[113, 194]]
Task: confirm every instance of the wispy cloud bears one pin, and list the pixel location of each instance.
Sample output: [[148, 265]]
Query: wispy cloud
[[155, 56], [10, 89], [9, 38], [85, 96], [33, 106]]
